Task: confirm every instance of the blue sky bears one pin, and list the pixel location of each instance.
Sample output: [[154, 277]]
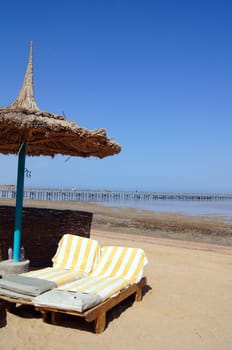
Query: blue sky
[[156, 74]]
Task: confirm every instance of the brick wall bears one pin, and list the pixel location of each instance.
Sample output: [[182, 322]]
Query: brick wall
[[41, 231]]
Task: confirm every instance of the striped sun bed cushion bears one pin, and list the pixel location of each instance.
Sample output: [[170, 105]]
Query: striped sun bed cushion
[[76, 253], [105, 287], [117, 269], [54, 274], [121, 262], [75, 258]]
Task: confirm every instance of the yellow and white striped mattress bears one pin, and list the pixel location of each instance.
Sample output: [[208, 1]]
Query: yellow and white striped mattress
[[105, 287], [121, 262], [117, 268], [54, 274], [75, 258], [76, 253]]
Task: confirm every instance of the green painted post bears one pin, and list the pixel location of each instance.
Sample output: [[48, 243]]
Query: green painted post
[[19, 202]]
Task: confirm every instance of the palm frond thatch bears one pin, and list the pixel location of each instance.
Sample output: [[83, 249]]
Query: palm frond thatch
[[45, 133]]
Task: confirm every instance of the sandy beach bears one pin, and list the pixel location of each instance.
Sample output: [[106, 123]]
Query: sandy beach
[[186, 305]]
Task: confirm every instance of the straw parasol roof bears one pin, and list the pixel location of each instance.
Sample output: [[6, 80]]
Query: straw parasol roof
[[45, 133]]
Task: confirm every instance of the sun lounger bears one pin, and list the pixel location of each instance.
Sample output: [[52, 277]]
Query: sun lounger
[[118, 274], [75, 258]]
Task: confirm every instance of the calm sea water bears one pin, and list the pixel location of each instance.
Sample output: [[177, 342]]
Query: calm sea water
[[187, 207], [214, 207]]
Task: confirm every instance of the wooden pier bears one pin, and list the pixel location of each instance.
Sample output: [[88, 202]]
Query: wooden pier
[[9, 192]]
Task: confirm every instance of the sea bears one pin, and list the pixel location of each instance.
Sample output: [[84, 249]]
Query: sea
[[215, 205], [221, 208]]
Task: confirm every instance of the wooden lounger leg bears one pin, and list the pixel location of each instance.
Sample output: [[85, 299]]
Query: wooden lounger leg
[[100, 322], [50, 317], [55, 316], [138, 295], [140, 285], [11, 307], [3, 318], [46, 316]]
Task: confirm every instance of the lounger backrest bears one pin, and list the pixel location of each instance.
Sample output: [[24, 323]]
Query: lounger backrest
[[76, 253], [121, 262]]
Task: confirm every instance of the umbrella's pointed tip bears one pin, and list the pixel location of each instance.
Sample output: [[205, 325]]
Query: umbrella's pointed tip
[[26, 97]]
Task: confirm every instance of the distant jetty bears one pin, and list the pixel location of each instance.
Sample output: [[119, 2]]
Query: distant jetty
[[47, 194]]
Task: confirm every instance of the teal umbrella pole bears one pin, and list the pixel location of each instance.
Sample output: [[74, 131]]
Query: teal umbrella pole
[[19, 202]]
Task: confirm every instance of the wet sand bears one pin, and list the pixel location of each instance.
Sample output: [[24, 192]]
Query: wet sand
[[208, 229]]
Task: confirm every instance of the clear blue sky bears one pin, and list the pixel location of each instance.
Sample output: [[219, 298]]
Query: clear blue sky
[[156, 74]]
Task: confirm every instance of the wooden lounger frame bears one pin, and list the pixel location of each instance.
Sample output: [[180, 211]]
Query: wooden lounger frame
[[96, 314]]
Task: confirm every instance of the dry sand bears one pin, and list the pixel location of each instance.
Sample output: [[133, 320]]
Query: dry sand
[[186, 305]]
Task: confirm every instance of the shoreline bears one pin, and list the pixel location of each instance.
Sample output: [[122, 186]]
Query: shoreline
[[173, 226]]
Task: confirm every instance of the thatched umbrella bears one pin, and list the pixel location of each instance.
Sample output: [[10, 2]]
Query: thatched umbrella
[[27, 130]]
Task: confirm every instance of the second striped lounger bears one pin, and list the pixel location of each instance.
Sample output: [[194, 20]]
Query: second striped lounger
[[118, 275]]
